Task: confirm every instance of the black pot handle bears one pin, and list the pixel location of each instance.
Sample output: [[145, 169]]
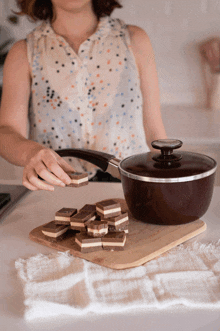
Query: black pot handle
[[99, 159]]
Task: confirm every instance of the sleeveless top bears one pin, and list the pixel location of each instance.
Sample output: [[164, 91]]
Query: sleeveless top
[[89, 100]]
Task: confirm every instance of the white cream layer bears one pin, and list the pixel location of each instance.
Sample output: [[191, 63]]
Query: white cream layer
[[62, 218], [79, 181], [109, 211], [101, 231], [82, 225], [96, 244], [54, 235], [119, 221]]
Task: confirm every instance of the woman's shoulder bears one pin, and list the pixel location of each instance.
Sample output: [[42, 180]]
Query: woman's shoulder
[[141, 46], [137, 35], [140, 41], [38, 31], [16, 60], [18, 49]]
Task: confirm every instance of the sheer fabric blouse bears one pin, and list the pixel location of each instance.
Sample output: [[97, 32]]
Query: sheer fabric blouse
[[88, 100]]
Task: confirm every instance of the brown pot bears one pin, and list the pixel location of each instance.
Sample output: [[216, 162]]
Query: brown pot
[[161, 188]]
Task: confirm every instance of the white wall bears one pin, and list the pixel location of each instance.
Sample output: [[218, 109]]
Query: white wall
[[175, 28]]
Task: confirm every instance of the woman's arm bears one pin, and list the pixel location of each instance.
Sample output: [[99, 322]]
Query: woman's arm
[[14, 107], [144, 56], [14, 146]]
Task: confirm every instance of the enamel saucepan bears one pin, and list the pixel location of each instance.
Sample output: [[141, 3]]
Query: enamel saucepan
[[161, 188]]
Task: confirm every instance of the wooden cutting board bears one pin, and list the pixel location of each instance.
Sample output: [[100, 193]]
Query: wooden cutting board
[[144, 242]]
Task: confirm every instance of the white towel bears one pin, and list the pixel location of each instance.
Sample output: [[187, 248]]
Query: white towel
[[60, 284]]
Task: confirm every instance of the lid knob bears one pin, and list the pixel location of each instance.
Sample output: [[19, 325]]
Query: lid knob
[[167, 146]]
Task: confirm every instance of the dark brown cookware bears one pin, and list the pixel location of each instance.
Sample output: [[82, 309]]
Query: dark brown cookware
[[161, 188]]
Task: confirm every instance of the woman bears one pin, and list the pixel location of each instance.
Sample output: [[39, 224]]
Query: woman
[[93, 84]]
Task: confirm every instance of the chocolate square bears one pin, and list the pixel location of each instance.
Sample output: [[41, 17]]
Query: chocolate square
[[77, 222], [54, 228], [119, 221], [124, 228], [108, 208], [97, 228], [114, 241], [88, 207], [63, 215], [54, 231], [88, 244], [78, 179]]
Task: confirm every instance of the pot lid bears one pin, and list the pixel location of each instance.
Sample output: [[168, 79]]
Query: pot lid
[[168, 166]]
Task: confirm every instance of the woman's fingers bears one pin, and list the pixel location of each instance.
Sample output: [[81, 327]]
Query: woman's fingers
[[65, 166], [211, 51], [27, 184], [32, 177], [216, 49], [32, 182], [42, 171], [51, 162], [50, 167]]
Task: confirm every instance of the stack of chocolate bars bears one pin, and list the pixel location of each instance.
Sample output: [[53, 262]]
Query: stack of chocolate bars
[[57, 229], [99, 226], [107, 231]]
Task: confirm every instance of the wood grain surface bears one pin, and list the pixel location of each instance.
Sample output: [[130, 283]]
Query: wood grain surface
[[144, 242]]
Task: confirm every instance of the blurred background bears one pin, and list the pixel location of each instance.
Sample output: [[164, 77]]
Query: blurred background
[[176, 29]]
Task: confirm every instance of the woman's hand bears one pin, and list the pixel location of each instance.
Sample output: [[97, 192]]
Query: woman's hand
[[49, 166], [210, 50]]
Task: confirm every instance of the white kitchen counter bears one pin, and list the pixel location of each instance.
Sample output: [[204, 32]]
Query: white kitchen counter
[[14, 244]]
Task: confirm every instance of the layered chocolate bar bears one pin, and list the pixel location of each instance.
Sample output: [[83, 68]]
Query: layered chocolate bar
[[88, 207], [55, 231], [114, 241], [78, 179], [124, 229], [77, 222], [63, 215], [87, 244], [97, 228], [108, 208], [118, 222]]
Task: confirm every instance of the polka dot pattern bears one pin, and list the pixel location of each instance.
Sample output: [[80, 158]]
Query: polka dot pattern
[[87, 100]]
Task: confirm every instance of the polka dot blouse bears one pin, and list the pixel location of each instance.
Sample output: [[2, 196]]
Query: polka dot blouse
[[87, 100]]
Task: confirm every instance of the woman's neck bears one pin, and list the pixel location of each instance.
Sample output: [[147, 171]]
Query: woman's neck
[[75, 25]]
